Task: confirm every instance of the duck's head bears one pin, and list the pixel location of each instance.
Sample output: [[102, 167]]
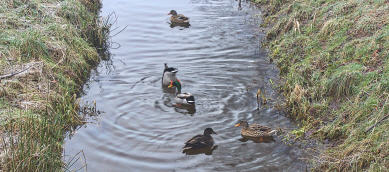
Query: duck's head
[[242, 123], [172, 12], [176, 84], [209, 131]]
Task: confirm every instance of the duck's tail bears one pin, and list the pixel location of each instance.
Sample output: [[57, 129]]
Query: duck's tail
[[190, 100], [273, 132], [185, 149]]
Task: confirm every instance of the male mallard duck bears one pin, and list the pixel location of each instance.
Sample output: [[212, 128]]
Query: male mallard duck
[[182, 98], [200, 141], [255, 130], [169, 74], [178, 19]]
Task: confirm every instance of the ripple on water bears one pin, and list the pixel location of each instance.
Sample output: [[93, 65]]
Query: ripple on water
[[219, 61]]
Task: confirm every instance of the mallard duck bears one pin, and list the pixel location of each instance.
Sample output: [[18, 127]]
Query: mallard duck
[[182, 98], [169, 75], [200, 141], [255, 130], [178, 19]]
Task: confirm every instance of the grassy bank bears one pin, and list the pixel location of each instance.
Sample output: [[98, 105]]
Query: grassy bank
[[334, 62], [47, 50]]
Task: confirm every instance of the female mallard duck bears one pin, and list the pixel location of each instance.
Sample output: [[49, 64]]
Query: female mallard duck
[[255, 130], [182, 98], [169, 75], [200, 141], [178, 19]]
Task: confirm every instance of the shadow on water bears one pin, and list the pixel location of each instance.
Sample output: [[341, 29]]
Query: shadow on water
[[205, 151], [221, 63]]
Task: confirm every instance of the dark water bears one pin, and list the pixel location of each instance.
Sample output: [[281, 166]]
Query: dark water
[[219, 61]]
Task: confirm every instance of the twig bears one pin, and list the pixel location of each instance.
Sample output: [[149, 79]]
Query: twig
[[13, 74], [376, 123]]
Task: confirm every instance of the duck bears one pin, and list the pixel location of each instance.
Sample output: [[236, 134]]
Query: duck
[[182, 98], [255, 130], [199, 142], [169, 75], [178, 19]]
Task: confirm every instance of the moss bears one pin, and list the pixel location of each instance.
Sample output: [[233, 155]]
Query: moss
[[333, 57]]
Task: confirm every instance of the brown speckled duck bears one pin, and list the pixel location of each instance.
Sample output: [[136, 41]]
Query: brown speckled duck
[[255, 130], [178, 19]]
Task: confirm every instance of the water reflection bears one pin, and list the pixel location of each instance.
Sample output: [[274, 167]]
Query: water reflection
[[180, 25], [205, 151], [185, 109], [257, 139]]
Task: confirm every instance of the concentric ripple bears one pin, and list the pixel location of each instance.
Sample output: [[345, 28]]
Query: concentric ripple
[[219, 61]]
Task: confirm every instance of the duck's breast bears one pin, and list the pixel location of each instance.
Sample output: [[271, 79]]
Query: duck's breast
[[167, 77]]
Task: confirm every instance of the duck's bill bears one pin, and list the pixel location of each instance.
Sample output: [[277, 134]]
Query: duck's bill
[[237, 125], [214, 132], [191, 102], [174, 71]]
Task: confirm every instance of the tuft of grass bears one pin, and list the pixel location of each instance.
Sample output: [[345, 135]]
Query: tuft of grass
[[334, 61], [47, 50]]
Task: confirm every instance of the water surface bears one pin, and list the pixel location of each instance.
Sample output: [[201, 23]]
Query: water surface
[[219, 61]]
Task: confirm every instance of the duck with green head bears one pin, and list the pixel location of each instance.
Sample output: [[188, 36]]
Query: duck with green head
[[182, 98]]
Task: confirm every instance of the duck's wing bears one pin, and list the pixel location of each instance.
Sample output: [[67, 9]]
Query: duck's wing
[[258, 127], [182, 17], [184, 95], [193, 141], [198, 141]]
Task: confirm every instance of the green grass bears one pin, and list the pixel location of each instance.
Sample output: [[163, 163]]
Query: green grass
[[334, 62], [58, 42]]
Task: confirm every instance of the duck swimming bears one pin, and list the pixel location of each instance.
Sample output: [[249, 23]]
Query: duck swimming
[[200, 141], [182, 98], [255, 130], [178, 19], [169, 75]]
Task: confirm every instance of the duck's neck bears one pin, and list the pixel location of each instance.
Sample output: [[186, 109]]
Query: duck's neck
[[245, 126], [207, 135], [179, 89], [177, 84]]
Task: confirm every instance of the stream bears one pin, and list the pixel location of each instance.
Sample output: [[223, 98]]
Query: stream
[[219, 60]]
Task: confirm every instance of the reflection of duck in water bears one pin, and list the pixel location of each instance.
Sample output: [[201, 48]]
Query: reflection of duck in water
[[257, 139], [255, 130], [200, 143], [169, 75], [182, 98], [178, 19]]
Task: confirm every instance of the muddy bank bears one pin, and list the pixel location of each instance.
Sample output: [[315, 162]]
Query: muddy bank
[[334, 63], [47, 50]]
